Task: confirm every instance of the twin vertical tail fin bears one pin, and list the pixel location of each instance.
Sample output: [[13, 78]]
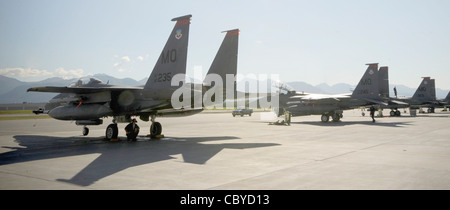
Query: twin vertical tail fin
[[448, 97], [225, 63], [383, 80], [171, 62], [426, 91], [368, 87]]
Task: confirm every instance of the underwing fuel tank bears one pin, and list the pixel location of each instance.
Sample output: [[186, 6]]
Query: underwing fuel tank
[[83, 112]]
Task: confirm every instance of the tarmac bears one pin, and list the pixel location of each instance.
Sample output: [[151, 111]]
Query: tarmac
[[217, 151]]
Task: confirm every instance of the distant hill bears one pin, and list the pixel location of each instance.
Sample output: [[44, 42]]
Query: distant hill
[[14, 91], [7, 84]]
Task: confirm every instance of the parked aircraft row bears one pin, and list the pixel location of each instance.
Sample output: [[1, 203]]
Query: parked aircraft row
[[89, 102], [373, 89]]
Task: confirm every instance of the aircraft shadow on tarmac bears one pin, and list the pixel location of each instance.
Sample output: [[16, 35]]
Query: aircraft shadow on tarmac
[[117, 156], [347, 123]]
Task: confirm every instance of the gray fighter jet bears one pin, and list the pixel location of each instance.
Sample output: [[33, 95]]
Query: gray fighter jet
[[446, 100], [444, 103], [87, 103], [425, 95], [366, 93]]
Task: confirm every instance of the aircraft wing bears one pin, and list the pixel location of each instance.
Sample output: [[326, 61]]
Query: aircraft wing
[[80, 90]]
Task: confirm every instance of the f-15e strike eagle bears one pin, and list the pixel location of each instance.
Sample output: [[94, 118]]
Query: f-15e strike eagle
[[425, 95], [373, 89], [88, 103], [365, 93]]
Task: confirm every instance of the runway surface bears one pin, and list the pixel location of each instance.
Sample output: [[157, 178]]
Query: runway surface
[[217, 151]]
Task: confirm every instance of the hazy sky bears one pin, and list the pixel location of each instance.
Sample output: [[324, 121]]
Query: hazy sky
[[312, 41]]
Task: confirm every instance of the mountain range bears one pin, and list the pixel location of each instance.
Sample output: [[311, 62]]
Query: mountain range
[[15, 91]]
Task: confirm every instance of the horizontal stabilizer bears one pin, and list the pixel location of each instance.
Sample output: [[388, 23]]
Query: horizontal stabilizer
[[375, 101], [399, 102]]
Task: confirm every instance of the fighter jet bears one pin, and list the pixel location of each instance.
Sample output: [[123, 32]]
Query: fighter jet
[[425, 95], [444, 103], [446, 100], [366, 93], [88, 103]]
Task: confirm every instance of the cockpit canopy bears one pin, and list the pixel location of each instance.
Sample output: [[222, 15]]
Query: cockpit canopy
[[86, 81]]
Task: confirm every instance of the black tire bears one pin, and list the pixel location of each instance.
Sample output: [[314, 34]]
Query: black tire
[[112, 132], [325, 118], [85, 131], [392, 113], [336, 117], [155, 129]]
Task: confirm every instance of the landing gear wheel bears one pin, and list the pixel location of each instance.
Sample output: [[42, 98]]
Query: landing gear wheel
[[336, 117], [112, 132], [325, 118], [392, 113], [85, 131], [155, 129], [398, 113]]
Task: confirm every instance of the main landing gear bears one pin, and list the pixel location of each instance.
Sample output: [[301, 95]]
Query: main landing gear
[[112, 131], [155, 128], [394, 113], [336, 116]]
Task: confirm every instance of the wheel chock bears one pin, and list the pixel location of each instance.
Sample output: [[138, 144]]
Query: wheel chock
[[156, 137]]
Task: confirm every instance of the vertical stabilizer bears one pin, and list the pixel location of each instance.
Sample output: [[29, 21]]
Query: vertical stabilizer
[[225, 61], [426, 91], [172, 61], [368, 86], [383, 75]]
